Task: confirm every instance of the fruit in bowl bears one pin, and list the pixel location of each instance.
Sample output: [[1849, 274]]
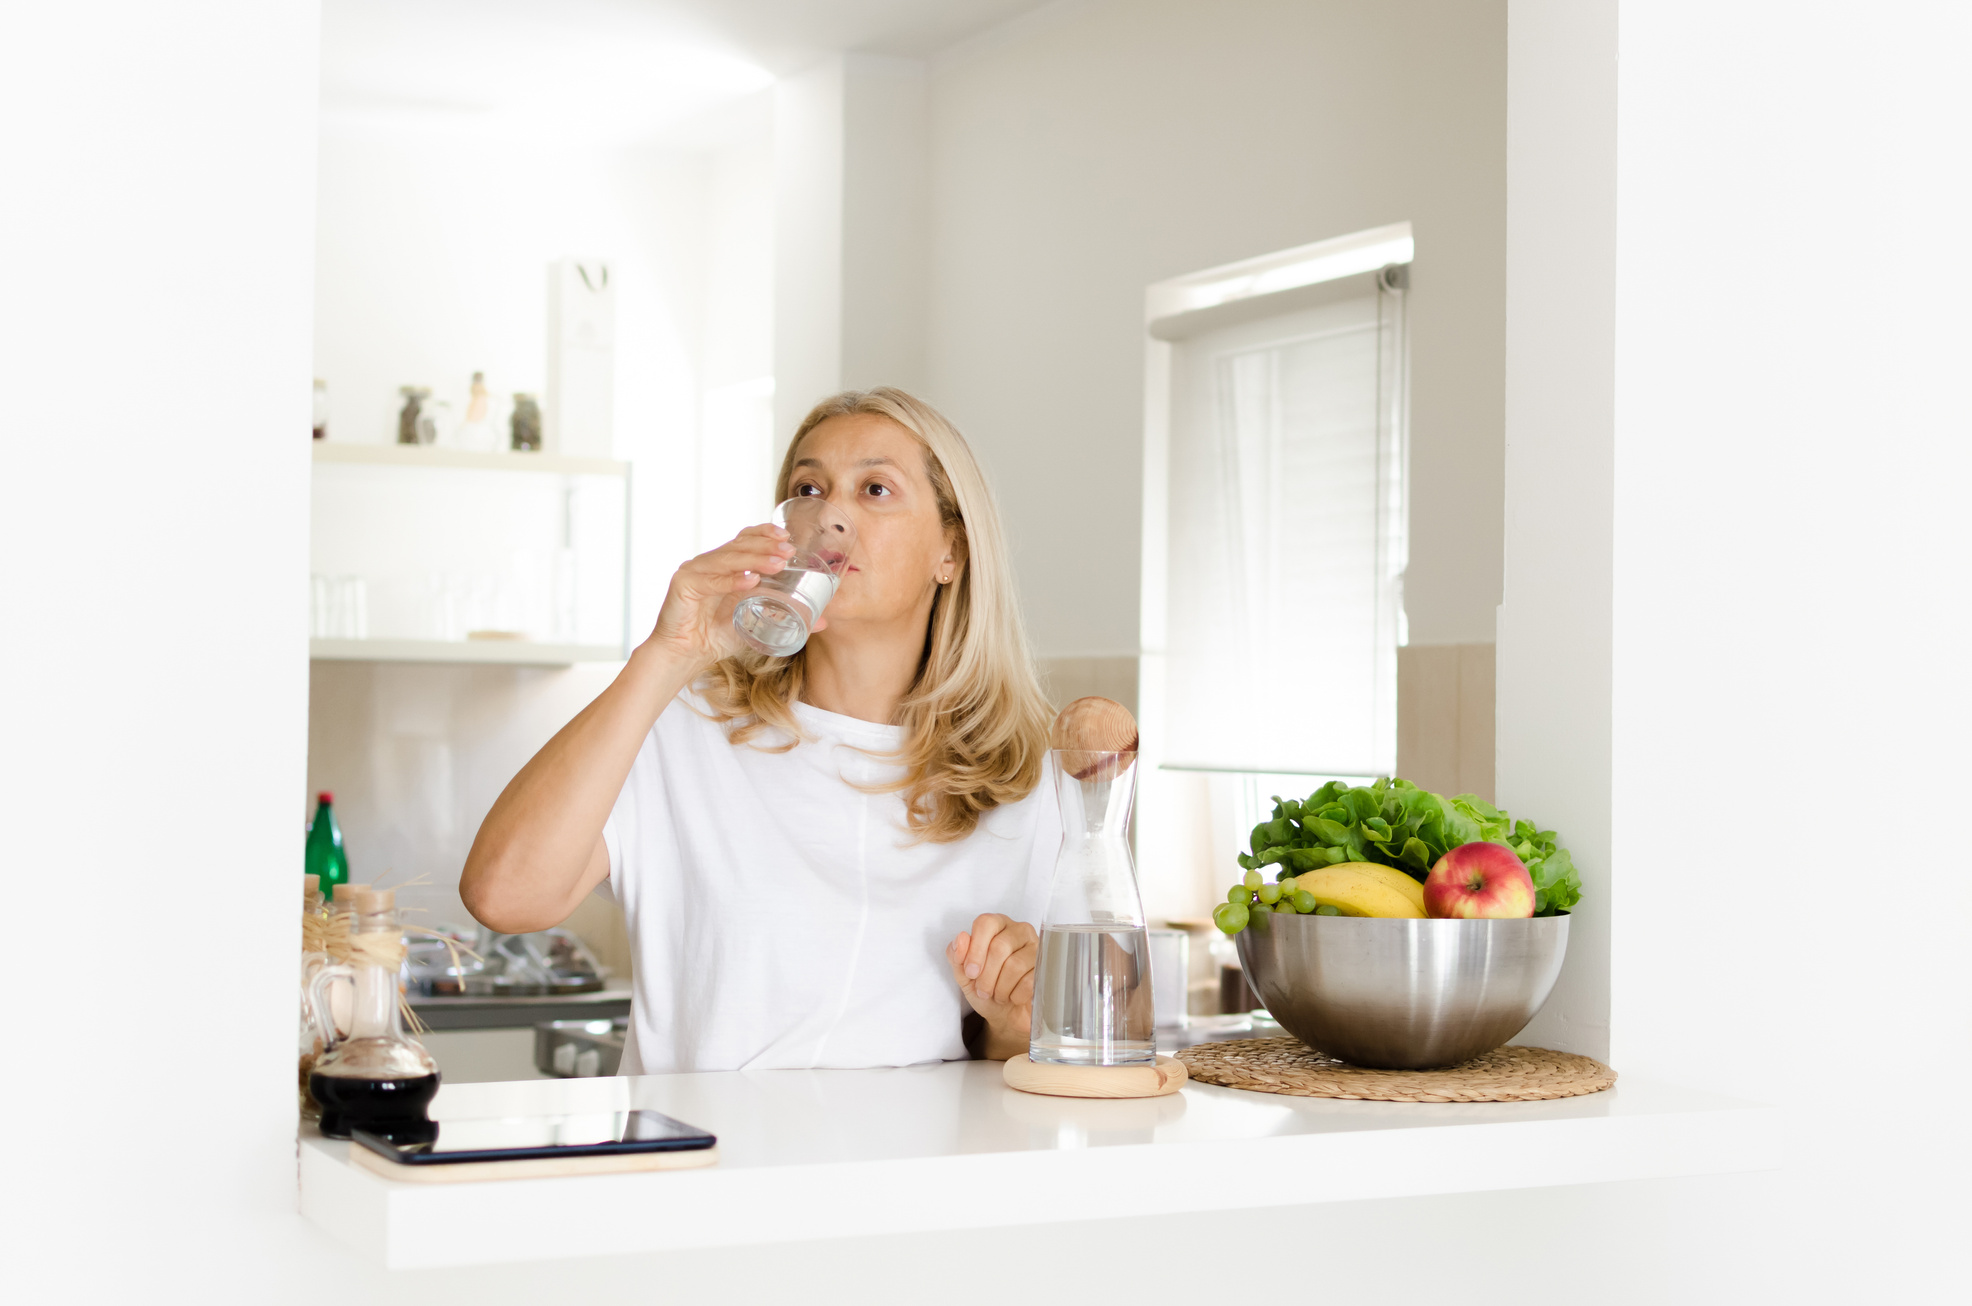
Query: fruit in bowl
[[1370, 850], [1479, 881]]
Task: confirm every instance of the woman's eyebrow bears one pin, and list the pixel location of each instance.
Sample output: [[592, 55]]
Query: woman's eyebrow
[[878, 461]]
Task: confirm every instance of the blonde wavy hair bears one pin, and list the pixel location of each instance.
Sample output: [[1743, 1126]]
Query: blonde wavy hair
[[975, 720]]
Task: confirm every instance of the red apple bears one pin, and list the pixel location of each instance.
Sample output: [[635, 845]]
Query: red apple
[[1479, 881]]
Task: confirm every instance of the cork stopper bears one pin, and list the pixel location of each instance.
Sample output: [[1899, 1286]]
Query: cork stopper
[[367, 900], [1090, 736], [341, 894], [311, 884], [1095, 725]]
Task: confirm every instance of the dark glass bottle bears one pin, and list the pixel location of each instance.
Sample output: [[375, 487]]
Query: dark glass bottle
[[324, 858]]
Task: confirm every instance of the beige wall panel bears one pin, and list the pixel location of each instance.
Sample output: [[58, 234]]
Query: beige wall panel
[[1476, 670], [1445, 717], [1428, 715]]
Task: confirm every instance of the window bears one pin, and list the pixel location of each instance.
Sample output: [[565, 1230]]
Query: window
[[1275, 524]]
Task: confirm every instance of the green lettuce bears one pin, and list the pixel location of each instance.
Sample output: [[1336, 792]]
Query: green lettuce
[[1398, 824]]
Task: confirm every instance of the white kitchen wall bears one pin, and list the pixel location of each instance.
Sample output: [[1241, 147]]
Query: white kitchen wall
[[154, 350], [1789, 545], [1086, 151]]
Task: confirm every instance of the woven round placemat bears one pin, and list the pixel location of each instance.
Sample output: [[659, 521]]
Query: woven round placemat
[[1287, 1065]]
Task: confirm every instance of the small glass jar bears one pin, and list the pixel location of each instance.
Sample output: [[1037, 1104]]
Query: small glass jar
[[526, 424]]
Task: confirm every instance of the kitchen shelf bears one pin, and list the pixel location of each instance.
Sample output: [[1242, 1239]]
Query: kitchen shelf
[[497, 652], [925, 1149], [412, 548], [418, 455]]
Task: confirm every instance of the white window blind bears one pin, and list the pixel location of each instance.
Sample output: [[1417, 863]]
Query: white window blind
[[1287, 539]]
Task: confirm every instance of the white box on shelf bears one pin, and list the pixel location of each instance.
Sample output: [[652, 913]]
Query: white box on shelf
[[579, 410]]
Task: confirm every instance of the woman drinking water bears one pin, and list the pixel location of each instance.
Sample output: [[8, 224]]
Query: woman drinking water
[[828, 858]]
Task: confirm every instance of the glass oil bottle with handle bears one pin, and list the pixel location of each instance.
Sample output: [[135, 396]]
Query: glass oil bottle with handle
[[376, 1078], [314, 956], [1092, 998]]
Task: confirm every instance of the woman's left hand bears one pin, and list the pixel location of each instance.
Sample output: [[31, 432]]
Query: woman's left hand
[[994, 965]]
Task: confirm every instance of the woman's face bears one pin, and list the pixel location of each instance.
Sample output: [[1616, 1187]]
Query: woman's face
[[874, 470]]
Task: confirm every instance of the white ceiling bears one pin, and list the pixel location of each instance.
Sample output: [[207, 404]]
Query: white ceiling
[[621, 69]]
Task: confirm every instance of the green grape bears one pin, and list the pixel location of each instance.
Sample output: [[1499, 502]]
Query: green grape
[[1287, 885], [1252, 880], [1269, 894], [1230, 916], [1304, 902], [1326, 910], [1284, 908], [1239, 895]]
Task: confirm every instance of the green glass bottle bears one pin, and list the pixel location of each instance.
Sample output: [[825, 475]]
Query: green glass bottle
[[325, 858]]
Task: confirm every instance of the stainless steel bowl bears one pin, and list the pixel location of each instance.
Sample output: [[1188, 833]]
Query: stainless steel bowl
[[1402, 994]]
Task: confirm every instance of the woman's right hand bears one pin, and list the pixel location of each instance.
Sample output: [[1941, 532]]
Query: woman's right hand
[[696, 622]]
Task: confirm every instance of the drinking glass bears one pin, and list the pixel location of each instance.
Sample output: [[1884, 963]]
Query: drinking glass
[[775, 617]]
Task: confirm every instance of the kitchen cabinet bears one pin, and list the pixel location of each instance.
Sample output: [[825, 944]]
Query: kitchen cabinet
[[421, 554]]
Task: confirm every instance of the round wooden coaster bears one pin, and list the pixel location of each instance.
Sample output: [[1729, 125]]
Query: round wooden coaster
[[1287, 1065], [1167, 1076]]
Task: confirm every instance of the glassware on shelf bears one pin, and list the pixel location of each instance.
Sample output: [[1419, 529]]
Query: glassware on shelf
[[1092, 988], [376, 1078], [775, 616], [338, 607]]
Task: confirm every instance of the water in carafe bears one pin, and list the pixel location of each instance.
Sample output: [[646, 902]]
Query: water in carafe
[[1092, 1000]]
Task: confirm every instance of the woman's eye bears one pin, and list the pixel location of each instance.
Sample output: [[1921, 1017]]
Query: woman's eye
[[805, 491], [875, 490]]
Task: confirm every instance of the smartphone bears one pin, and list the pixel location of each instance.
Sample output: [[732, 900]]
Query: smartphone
[[534, 1138]]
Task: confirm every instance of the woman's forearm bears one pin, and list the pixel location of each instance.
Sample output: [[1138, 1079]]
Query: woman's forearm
[[540, 848]]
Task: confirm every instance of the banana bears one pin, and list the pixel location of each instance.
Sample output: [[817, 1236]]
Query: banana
[[1395, 878], [1354, 889]]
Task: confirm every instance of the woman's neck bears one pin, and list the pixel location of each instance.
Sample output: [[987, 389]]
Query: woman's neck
[[863, 673]]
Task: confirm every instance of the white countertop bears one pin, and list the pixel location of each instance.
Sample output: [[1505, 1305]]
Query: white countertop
[[808, 1154]]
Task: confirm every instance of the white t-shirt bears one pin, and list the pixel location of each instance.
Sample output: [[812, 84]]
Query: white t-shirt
[[783, 918]]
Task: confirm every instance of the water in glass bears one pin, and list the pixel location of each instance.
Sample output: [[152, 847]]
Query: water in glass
[[1092, 1001]]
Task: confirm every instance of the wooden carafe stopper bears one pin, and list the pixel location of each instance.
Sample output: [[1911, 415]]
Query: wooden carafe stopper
[[1088, 730], [1095, 725]]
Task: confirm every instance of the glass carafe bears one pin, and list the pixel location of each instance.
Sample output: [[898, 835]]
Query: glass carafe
[[377, 1077], [1092, 1004]]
